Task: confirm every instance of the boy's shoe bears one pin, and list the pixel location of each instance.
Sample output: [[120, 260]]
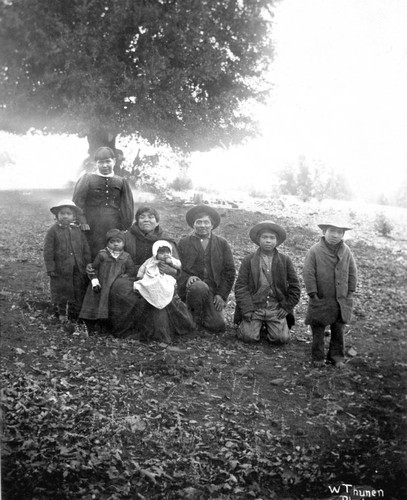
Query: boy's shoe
[[318, 364], [62, 319]]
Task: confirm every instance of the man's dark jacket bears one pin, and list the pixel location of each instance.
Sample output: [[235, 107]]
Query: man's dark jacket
[[221, 261], [286, 286]]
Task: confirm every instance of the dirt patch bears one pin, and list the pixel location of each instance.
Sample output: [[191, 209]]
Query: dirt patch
[[207, 416]]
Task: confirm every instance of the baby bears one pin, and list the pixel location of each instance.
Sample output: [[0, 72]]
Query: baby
[[153, 285]]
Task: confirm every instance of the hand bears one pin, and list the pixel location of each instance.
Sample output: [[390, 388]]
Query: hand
[[85, 227], [191, 280], [218, 302], [166, 269], [248, 316], [89, 269], [53, 274], [282, 313], [96, 288]]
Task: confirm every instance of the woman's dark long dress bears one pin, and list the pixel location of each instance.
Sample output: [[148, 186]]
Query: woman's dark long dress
[[130, 314]]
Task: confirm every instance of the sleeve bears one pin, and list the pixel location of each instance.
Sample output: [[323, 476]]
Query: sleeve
[[176, 263], [126, 205], [79, 195], [309, 272], [242, 291], [141, 270], [353, 274], [130, 267], [294, 289], [86, 251], [95, 267], [228, 272], [49, 251]]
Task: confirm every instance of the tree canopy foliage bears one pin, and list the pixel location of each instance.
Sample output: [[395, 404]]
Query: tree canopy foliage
[[180, 71]]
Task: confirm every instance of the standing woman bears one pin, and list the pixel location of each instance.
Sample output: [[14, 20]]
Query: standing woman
[[105, 199]]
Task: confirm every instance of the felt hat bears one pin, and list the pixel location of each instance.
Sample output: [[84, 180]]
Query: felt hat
[[65, 203], [194, 212], [334, 223], [161, 243], [267, 225], [104, 153], [114, 233]]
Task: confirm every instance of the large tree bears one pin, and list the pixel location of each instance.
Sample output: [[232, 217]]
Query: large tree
[[178, 71]]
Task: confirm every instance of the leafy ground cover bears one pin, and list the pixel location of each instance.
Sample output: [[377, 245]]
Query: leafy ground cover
[[205, 417]]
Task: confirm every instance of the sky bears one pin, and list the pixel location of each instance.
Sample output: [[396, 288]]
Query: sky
[[339, 94], [339, 99]]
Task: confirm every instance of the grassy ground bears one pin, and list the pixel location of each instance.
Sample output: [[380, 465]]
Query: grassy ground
[[206, 417]]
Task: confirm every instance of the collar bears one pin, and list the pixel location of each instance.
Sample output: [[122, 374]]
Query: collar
[[102, 175], [114, 254]]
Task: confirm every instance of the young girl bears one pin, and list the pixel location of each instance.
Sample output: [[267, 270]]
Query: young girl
[[110, 263], [154, 286], [66, 254]]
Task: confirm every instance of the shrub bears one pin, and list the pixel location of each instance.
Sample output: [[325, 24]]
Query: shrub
[[181, 183], [382, 225]]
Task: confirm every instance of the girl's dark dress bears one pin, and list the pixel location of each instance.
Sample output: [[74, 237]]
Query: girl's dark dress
[[96, 305]]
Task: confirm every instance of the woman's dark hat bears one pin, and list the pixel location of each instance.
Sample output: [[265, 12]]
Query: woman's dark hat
[[66, 203], [114, 233], [267, 225], [194, 212], [104, 153]]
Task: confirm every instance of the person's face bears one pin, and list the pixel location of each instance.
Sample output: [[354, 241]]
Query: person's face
[[163, 254], [115, 244], [268, 241], [147, 222], [105, 166], [66, 215], [203, 226], [334, 235]]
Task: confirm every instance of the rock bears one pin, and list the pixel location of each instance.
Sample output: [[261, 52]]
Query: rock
[[277, 381]]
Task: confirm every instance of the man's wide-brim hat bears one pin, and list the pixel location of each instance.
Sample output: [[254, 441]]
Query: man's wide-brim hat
[[65, 203], [267, 225], [194, 212], [335, 223]]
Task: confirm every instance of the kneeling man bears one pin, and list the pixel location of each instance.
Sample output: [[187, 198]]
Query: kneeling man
[[267, 287], [208, 269]]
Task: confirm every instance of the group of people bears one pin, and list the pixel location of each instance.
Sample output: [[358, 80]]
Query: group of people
[[129, 277]]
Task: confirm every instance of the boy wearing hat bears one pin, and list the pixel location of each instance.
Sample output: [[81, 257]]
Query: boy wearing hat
[[110, 263], [330, 277], [66, 254], [267, 288], [208, 269], [105, 198]]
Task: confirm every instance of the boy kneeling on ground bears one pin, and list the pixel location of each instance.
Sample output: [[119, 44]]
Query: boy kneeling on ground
[[267, 288]]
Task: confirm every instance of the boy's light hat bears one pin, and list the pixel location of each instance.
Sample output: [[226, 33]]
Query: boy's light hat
[[267, 225], [161, 243], [193, 213], [65, 203], [335, 223]]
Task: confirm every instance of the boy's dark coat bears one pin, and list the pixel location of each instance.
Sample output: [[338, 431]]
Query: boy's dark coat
[[286, 286], [65, 247], [332, 277]]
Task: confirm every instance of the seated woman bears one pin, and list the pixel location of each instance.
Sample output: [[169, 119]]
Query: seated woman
[[130, 313]]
